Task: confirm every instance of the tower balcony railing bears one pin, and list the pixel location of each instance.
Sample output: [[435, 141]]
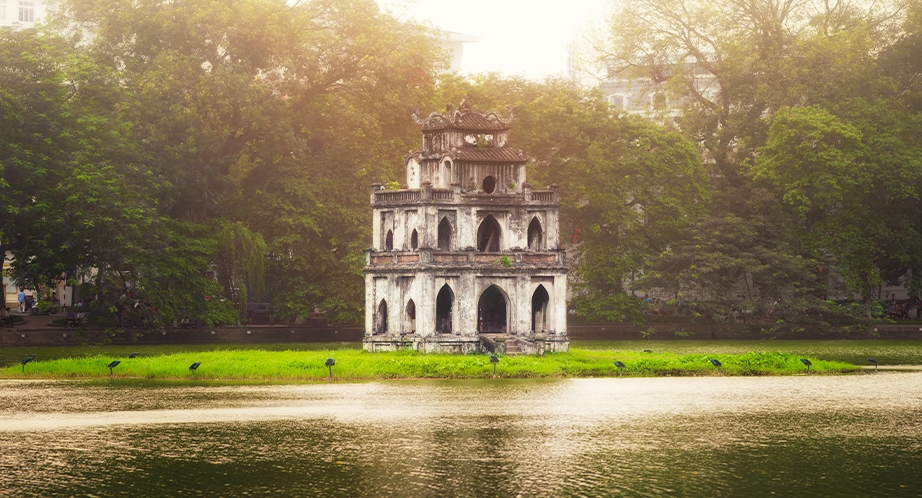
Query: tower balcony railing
[[429, 195], [464, 258], [387, 196]]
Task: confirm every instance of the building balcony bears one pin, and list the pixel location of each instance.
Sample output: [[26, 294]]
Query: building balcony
[[456, 196], [473, 259]]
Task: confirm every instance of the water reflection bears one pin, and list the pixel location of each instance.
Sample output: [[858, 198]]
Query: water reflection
[[853, 435]]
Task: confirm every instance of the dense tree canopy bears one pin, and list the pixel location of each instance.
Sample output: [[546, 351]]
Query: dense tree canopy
[[806, 113], [254, 123], [147, 144]]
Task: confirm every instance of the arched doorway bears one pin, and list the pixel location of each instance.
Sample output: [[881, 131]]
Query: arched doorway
[[491, 311], [444, 303], [414, 240], [389, 241], [539, 302], [444, 235], [381, 318], [488, 235], [410, 327], [535, 235]]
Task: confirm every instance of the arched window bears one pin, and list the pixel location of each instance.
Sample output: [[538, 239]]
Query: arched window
[[389, 241], [491, 311], [444, 235], [381, 318], [488, 235], [539, 302], [414, 240], [535, 235], [444, 303], [411, 317]]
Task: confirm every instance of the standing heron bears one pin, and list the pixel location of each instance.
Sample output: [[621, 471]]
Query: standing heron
[[25, 360], [807, 363], [716, 363]]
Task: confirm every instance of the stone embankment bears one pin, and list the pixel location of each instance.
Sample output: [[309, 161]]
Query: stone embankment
[[39, 331]]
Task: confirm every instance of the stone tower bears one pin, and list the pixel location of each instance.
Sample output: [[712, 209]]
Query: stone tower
[[466, 256]]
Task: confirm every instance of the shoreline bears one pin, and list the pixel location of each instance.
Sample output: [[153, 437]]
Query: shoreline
[[259, 365]]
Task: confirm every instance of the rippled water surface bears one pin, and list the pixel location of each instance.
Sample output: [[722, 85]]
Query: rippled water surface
[[854, 435]]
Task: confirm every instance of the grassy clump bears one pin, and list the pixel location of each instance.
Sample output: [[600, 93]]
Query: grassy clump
[[354, 364]]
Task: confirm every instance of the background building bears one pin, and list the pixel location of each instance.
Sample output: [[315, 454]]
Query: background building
[[23, 13]]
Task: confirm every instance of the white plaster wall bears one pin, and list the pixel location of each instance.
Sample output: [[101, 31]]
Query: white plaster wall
[[369, 303], [559, 301], [413, 173], [466, 296], [552, 230], [411, 222], [376, 236], [521, 303], [467, 230]]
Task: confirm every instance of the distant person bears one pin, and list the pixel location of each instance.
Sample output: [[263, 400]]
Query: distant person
[[22, 300]]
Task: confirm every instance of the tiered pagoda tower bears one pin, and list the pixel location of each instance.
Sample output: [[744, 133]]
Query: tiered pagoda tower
[[466, 256]]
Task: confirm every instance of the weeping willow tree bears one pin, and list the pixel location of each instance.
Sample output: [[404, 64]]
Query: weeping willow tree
[[240, 263]]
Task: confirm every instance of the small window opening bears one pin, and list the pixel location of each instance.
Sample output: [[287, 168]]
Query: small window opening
[[389, 241], [414, 240], [489, 185]]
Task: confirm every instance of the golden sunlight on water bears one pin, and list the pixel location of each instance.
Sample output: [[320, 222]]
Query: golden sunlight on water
[[824, 435]]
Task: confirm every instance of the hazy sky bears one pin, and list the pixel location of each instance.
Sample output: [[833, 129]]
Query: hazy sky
[[518, 37]]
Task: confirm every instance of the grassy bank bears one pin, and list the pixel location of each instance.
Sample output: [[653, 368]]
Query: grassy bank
[[854, 351], [352, 364]]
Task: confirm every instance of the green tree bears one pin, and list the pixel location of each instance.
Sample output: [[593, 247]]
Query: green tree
[[628, 186], [270, 114], [806, 100], [240, 260]]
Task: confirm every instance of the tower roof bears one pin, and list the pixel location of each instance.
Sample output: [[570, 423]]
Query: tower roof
[[463, 119]]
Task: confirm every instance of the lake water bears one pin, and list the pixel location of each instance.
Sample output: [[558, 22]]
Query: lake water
[[858, 435]]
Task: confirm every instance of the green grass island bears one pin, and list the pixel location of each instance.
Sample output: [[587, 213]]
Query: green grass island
[[357, 365]]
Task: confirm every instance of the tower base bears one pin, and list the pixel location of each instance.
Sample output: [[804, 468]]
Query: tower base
[[538, 344]]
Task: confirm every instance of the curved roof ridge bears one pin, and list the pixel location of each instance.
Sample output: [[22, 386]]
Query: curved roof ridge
[[463, 118]]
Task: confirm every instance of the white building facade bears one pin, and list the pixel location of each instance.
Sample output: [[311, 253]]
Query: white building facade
[[466, 256], [24, 13]]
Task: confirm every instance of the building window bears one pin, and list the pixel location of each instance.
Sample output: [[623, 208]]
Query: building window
[[488, 235], [381, 318], [535, 235], [26, 11], [389, 241], [2, 10], [444, 235], [489, 185]]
